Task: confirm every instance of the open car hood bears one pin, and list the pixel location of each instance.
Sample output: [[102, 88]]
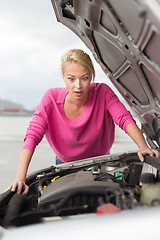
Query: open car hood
[[124, 37]]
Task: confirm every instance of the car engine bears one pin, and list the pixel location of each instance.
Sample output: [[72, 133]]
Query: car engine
[[100, 185]]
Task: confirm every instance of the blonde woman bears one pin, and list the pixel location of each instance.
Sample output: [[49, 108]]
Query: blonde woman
[[78, 121]]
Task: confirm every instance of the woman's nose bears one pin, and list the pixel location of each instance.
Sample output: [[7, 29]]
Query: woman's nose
[[78, 83]]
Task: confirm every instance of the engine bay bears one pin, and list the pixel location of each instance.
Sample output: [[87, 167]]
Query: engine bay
[[99, 185]]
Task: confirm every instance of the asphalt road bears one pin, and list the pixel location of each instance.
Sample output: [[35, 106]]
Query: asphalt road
[[9, 155]]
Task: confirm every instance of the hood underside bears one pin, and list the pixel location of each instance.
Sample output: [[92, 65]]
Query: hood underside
[[124, 38]]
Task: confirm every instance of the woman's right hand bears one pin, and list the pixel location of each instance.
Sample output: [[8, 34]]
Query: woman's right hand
[[19, 186]]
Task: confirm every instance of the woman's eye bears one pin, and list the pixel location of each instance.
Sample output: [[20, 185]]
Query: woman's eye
[[71, 79], [85, 78]]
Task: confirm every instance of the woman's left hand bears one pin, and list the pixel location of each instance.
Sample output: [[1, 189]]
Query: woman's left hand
[[152, 152]]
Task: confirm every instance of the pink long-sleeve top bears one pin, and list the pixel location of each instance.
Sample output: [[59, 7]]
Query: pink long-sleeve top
[[90, 134]]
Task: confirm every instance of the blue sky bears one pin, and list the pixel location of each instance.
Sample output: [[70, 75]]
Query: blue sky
[[32, 42]]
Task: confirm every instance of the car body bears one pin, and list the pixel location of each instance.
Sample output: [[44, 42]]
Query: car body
[[124, 38]]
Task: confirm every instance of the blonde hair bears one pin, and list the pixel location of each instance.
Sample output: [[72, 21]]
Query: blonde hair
[[79, 56]]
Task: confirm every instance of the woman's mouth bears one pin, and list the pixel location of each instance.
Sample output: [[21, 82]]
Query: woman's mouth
[[78, 93]]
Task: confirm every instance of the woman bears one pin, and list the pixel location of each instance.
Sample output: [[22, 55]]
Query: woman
[[78, 121]]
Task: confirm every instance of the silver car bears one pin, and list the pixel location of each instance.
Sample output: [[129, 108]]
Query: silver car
[[78, 199]]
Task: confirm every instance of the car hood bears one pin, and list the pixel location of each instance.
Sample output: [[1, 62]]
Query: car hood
[[124, 37]]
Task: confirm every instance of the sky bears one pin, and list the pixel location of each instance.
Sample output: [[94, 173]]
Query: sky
[[31, 45]]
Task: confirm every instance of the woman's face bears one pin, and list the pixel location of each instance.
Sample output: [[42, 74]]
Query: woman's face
[[77, 78]]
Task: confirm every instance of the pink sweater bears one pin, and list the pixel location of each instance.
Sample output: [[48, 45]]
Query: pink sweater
[[91, 134]]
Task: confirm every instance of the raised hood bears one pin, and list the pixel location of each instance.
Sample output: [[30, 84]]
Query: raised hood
[[124, 37]]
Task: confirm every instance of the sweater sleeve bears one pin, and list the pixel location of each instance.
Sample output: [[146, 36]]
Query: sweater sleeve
[[37, 127], [121, 116]]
